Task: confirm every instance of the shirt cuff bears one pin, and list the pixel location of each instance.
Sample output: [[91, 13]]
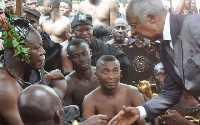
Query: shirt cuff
[[143, 113]]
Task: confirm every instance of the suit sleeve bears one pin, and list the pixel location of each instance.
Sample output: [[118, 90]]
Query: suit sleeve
[[166, 99], [194, 26]]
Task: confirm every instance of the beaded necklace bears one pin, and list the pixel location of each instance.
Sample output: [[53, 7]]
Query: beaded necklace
[[21, 82]]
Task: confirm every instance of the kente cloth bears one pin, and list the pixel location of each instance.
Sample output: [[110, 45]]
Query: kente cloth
[[142, 60], [99, 48], [52, 56]]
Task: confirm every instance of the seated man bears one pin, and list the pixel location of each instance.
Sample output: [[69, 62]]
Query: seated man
[[22, 67], [111, 95], [39, 105], [82, 27], [23, 52], [82, 80], [53, 50]]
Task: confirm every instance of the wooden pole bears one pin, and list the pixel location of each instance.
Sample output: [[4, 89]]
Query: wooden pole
[[19, 8]]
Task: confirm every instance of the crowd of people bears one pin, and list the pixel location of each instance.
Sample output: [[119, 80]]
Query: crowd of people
[[103, 62]]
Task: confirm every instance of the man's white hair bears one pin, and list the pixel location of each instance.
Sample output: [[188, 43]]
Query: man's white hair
[[141, 8]]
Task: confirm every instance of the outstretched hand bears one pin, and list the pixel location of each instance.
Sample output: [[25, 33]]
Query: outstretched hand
[[96, 120], [127, 116]]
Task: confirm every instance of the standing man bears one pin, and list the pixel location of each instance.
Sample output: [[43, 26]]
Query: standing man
[[111, 95], [56, 26], [104, 12], [179, 54], [65, 7]]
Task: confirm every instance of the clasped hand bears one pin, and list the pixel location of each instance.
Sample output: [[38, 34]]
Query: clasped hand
[[127, 116]]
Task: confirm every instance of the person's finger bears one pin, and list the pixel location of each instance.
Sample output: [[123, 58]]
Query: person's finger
[[172, 111], [103, 122], [113, 121]]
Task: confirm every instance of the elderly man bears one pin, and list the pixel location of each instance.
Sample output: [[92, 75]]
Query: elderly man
[[179, 54], [39, 105], [23, 53]]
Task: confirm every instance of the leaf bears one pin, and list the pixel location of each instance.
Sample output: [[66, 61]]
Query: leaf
[[15, 43]]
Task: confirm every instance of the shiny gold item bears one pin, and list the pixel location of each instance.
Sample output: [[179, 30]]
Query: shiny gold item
[[145, 88], [75, 122], [192, 119]]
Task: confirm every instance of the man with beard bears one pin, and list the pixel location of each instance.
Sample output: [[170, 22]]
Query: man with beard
[[23, 52], [82, 80], [111, 95]]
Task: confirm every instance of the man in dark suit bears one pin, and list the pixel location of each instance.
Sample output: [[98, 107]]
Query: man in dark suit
[[180, 55]]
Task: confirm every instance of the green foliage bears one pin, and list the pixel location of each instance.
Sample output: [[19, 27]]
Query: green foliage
[[12, 39]]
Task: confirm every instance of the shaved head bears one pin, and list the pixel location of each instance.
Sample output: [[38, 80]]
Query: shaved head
[[119, 21], [39, 104]]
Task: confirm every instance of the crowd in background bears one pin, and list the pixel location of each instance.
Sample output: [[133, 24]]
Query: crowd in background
[[89, 30]]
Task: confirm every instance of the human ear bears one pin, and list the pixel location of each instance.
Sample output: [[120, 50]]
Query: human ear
[[151, 17], [96, 73], [57, 116]]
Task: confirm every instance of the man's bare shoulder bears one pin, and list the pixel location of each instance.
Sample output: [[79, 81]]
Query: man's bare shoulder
[[71, 77], [8, 87], [93, 94], [129, 88]]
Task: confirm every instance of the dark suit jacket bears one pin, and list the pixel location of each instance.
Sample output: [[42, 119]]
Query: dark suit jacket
[[182, 66]]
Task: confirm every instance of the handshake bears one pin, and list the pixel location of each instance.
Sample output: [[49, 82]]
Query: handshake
[[127, 116]]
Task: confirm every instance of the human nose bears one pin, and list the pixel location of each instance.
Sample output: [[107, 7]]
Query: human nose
[[111, 75], [81, 58], [43, 52], [120, 29]]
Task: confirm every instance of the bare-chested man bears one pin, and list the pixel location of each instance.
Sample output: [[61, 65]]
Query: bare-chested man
[[56, 26], [40, 105], [111, 95], [103, 12], [22, 67], [13, 69], [82, 80]]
